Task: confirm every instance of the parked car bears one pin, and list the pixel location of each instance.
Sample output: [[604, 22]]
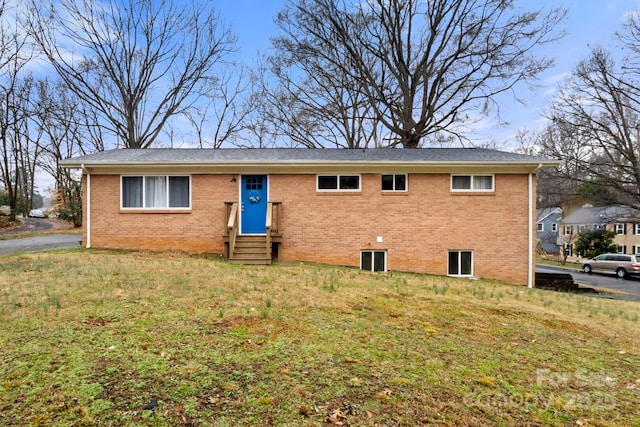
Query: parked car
[[619, 264], [37, 213]]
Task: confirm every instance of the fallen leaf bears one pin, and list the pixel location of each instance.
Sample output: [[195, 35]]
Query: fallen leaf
[[350, 360], [305, 411], [336, 417], [385, 394]]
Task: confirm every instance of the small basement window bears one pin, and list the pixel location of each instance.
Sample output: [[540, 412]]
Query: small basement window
[[395, 182], [338, 183], [373, 260], [460, 263]]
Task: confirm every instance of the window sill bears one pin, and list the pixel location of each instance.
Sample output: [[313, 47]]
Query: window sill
[[339, 193], [395, 193], [155, 211], [473, 193]]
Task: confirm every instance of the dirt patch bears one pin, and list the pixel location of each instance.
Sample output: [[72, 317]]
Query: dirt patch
[[7, 223]]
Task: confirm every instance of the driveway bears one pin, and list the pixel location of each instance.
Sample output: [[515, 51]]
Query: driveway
[[35, 225], [627, 289], [40, 243]]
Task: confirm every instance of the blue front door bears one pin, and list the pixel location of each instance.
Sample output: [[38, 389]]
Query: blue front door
[[253, 204]]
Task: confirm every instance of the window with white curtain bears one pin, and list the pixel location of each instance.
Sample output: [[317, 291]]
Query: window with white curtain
[[472, 183], [155, 192]]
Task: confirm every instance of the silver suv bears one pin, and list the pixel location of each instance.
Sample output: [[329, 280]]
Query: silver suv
[[619, 264]]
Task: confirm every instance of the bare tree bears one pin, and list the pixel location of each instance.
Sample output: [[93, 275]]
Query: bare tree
[[599, 106], [422, 69], [136, 63], [66, 131], [16, 159], [314, 104], [224, 115], [556, 187]]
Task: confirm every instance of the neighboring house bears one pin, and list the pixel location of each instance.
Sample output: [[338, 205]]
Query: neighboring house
[[547, 229], [624, 220], [456, 211]]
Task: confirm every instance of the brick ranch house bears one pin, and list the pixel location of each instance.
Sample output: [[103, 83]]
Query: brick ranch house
[[447, 211]]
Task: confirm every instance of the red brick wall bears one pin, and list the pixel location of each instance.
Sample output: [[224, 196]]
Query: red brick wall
[[418, 227], [197, 230]]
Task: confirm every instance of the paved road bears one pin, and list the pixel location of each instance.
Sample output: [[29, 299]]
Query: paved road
[[630, 287], [40, 243]]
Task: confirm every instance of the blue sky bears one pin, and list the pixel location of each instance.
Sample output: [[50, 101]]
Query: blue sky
[[589, 22]]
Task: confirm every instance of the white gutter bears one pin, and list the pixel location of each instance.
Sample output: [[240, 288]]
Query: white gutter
[[88, 205], [531, 273]]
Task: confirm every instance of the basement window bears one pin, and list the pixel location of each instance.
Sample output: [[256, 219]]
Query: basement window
[[373, 260], [460, 263]]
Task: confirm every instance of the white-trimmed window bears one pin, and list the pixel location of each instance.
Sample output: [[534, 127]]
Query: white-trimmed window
[[621, 228], [568, 249], [338, 183], [155, 192], [568, 230], [394, 182], [582, 228], [460, 263], [554, 227], [636, 249], [373, 260], [636, 228], [622, 249], [472, 183], [540, 227]]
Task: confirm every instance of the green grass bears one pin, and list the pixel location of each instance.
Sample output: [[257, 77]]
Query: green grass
[[89, 337], [558, 263]]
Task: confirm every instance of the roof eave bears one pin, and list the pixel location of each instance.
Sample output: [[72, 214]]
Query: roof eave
[[293, 166]]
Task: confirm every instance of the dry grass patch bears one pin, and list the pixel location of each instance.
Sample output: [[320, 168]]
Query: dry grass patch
[[90, 337]]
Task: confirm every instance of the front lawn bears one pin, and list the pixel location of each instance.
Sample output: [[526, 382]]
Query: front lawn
[[90, 337]]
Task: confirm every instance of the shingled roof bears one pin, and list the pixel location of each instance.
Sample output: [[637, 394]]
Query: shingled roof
[[192, 156], [603, 215]]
